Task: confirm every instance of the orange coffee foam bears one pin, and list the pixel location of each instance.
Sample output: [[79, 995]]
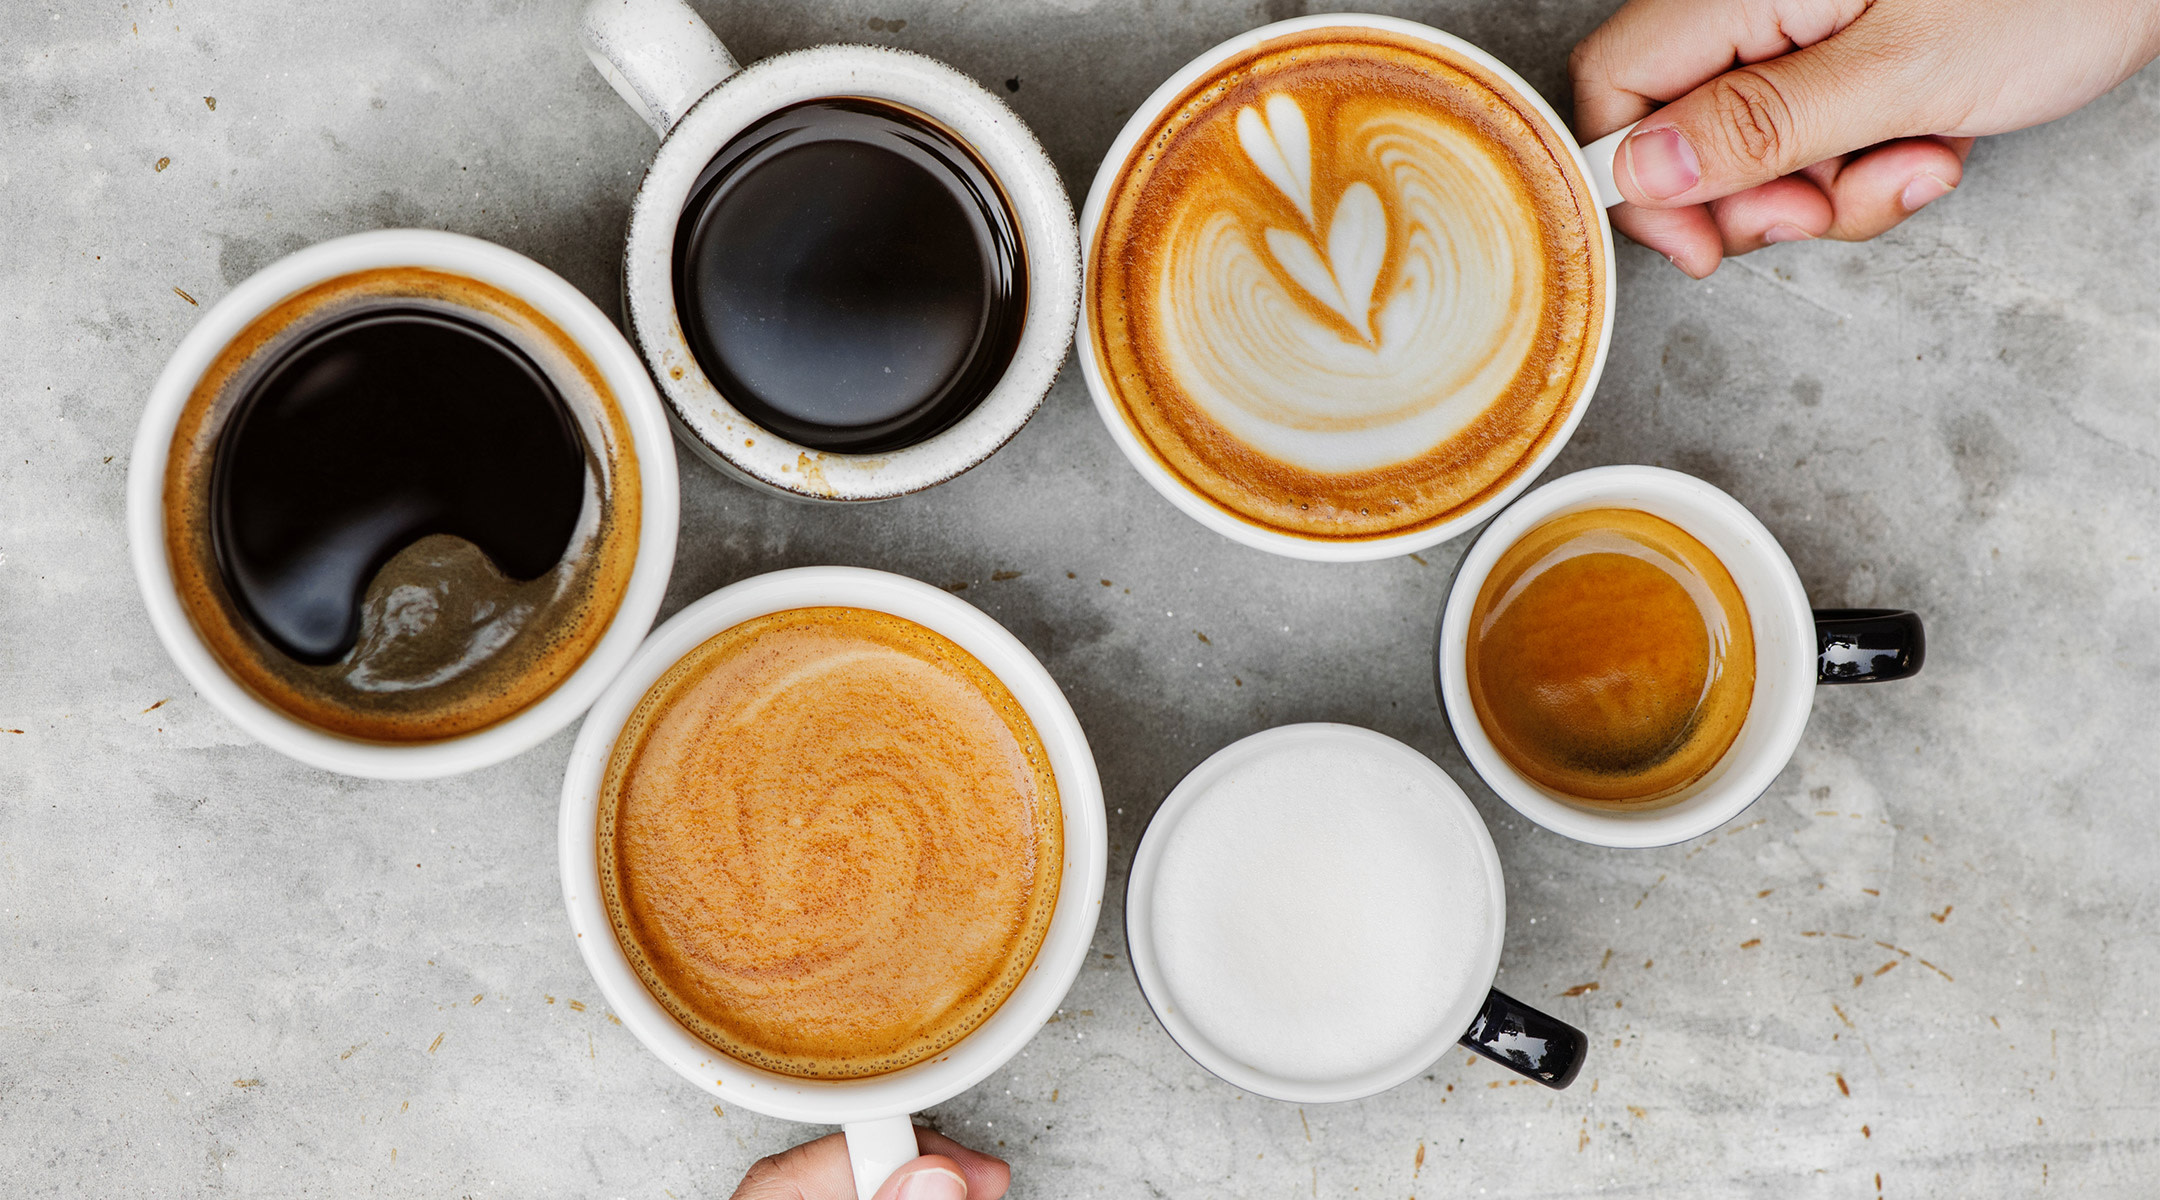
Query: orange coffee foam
[[1611, 657], [830, 842], [1228, 295], [392, 689]]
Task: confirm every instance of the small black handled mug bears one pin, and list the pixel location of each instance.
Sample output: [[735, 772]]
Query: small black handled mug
[[1794, 649], [1316, 914]]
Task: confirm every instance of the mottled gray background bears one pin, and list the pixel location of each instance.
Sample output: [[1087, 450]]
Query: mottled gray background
[[1922, 965]]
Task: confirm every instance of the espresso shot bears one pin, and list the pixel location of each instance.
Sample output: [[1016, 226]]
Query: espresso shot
[[401, 506], [1611, 658], [850, 276]]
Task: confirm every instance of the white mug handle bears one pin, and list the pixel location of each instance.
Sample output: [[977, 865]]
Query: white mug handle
[[659, 54], [878, 1148], [1599, 155]]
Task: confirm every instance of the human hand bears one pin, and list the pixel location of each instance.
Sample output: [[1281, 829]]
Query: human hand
[[819, 1170], [1841, 118]]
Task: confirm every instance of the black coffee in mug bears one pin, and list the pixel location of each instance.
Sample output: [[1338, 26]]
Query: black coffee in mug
[[401, 505], [850, 276], [387, 425]]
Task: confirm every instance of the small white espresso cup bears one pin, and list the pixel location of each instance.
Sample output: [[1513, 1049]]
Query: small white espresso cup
[[453, 254], [1594, 162], [873, 1110], [663, 59], [1795, 647], [1477, 1016]]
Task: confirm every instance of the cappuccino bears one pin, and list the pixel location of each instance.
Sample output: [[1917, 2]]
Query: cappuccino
[[1348, 286], [830, 842]]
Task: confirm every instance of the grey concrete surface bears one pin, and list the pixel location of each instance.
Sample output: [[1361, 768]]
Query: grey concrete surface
[[1923, 965]]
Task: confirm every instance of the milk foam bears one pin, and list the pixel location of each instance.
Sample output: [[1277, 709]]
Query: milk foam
[[1347, 286], [1425, 282], [1318, 911]]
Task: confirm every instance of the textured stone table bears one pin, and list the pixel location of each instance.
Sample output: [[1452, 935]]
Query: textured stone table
[[1922, 965]]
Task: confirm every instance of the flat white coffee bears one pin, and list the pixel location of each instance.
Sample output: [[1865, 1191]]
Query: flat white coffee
[[1319, 910]]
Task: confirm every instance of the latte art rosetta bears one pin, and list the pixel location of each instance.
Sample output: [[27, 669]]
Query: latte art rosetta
[[1348, 286], [1254, 328]]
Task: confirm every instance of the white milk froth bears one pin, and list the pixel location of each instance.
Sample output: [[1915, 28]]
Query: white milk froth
[[1318, 912]]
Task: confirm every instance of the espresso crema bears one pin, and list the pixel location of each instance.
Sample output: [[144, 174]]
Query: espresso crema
[[1347, 286], [830, 842], [401, 505]]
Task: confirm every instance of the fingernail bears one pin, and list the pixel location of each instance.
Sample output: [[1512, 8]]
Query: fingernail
[[933, 1183], [1922, 191], [1663, 164], [1786, 231]]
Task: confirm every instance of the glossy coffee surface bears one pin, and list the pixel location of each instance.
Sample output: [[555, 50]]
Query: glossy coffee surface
[[401, 506], [1347, 287], [385, 426], [1611, 657], [830, 842], [849, 276]]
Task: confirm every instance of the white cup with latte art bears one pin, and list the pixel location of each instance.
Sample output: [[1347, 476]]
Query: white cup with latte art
[[1349, 286]]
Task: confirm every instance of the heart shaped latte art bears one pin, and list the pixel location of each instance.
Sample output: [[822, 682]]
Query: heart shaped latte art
[[1377, 323]]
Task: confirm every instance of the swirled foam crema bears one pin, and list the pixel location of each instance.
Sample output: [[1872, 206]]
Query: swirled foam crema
[[830, 842]]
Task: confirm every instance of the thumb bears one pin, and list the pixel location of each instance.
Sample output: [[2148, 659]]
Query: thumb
[[930, 1177], [1758, 122]]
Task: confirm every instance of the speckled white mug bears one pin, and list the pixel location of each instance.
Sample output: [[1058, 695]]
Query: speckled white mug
[[663, 59]]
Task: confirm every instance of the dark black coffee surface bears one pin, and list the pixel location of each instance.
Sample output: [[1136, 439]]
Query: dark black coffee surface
[[850, 276], [379, 429]]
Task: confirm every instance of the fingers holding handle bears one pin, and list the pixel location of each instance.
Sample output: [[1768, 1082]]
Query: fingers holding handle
[[878, 1148]]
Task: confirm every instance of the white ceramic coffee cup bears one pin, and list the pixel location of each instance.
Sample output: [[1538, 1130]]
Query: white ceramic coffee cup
[[1786, 654], [1479, 1017], [454, 254], [873, 1110], [663, 59], [1594, 162]]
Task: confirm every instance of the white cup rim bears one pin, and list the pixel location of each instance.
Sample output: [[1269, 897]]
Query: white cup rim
[[1778, 610], [1207, 512], [1140, 937], [452, 253], [1072, 925], [731, 441]]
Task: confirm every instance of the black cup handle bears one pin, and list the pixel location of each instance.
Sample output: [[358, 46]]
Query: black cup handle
[[1868, 645], [1526, 1041]]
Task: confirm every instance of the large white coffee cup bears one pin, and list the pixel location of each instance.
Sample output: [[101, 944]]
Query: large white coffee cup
[[454, 254], [664, 60], [874, 1109], [1794, 648], [1593, 161]]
